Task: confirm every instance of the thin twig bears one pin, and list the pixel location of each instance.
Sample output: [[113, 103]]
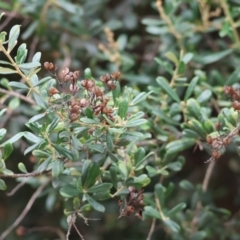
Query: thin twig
[[17, 187], [17, 175], [33, 48], [10, 16], [80, 235], [208, 175], [151, 229], [25, 211], [58, 231], [18, 95]]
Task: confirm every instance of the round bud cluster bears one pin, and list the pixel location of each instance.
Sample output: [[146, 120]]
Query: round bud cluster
[[233, 94], [74, 100], [110, 79], [48, 66]]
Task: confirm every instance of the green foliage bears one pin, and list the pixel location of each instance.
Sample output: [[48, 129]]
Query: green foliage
[[104, 141]]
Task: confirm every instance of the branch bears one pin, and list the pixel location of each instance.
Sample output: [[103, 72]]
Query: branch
[[58, 231], [151, 229], [18, 95], [17, 188], [17, 175], [25, 211]]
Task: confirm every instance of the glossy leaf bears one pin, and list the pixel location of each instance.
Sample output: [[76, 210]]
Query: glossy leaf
[[165, 86], [13, 36], [109, 141], [191, 87], [176, 209], [3, 185], [69, 192], [57, 168], [123, 108], [43, 166], [18, 85], [96, 205], [3, 132], [149, 211], [139, 98], [7, 149], [22, 167], [113, 174], [102, 187], [7, 70], [179, 145]]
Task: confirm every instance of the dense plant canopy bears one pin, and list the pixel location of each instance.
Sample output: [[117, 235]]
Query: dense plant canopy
[[119, 118]]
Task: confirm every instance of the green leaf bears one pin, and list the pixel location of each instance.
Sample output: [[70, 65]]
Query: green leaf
[[31, 148], [21, 54], [89, 120], [140, 181], [53, 124], [18, 85], [90, 172], [140, 97], [40, 153], [7, 149], [172, 225], [175, 166], [22, 167], [88, 73], [2, 37], [3, 111], [123, 108], [102, 187], [37, 117], [85, 167], [43, 166], [212, 57], [187, 57], [135, 123], [151, 212], [140, 161], [69, 192], [193, 108], [163, 83], [171, 56], [185, 184], [64, 151], [179, 145], [13, 139], [3, 186], [151, 171], [116, 94], [96, 147], [13, 36], [14, 103], [181, 68], [3, 132], [113, 174], [165, 117], [7, 70], [40, 100], [96, 205], [29, 66], [37, 56], [57, 168], [176, 209], [123, 169], [204, 96], [31, 137], [160, 192], [109, 141], [199, 235], [43, 80], [191, 87]]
